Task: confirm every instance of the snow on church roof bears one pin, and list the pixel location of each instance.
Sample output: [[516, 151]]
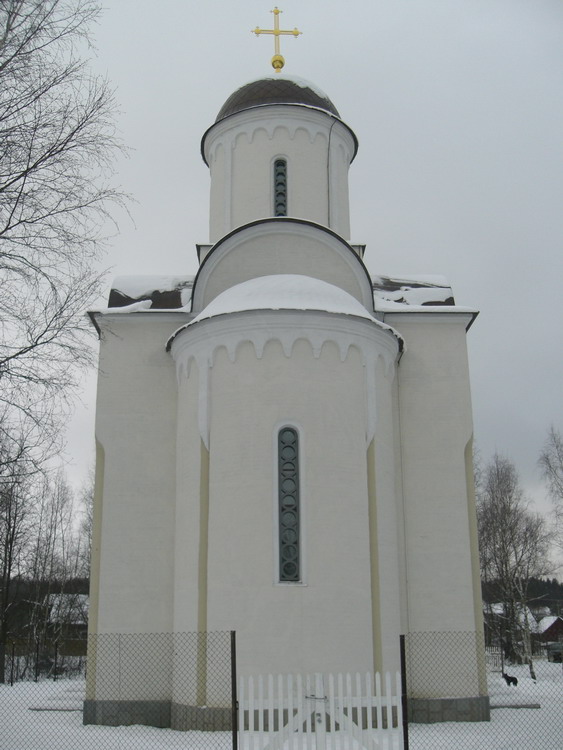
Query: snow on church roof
[[130, 294], [160, 292], [416, 294], [284, 292], [413, 291]]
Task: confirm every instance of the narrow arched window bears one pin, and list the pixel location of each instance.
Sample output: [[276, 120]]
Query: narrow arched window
[[288, 505], [280, 187]]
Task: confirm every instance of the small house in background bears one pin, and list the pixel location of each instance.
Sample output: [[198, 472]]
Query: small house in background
[[497, 623], [67, 615], [551, 629], [540, 611]]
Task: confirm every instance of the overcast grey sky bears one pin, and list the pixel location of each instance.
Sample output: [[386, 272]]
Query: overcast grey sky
[[458, 108]]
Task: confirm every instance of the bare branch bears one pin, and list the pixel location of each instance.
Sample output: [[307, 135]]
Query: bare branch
[[57, 151], [551, 464]]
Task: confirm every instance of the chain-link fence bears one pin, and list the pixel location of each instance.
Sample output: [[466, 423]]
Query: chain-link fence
[[153, 691], [461, 695], [24, 660], [168, 691]]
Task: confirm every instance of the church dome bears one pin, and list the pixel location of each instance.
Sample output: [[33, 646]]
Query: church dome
[[276, 91]]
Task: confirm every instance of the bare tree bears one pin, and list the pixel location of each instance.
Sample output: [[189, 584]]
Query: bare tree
[[551, 465], [514, 546], [58, 147], [54, 559], [86, 500], [16, 510]]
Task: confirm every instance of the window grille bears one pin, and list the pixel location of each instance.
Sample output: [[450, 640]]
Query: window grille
[[280, 187], [288, 505]]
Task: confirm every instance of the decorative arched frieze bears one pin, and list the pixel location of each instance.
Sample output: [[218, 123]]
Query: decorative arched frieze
[[272, 130], [199, 343], [290, 118]]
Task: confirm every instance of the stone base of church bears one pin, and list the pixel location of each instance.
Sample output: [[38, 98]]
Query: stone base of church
[[162, 714], [202, 718], [433, 710], [125, 713], [165, 714]]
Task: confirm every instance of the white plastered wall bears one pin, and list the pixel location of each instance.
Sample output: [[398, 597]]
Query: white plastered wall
[[255, 161], [136, 425], [322, 373], [326, 623], [435, 427], [188, 506], [386, 552]]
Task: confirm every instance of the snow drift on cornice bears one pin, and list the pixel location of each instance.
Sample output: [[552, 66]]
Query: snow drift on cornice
[[284, 292]]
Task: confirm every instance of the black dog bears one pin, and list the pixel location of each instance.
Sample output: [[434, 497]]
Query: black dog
[[509, 679]]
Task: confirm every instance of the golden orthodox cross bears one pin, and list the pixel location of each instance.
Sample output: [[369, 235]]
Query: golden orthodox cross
[[277, 60]]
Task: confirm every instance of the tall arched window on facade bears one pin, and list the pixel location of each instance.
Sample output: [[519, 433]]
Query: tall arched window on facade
[[280, 187], [288, 505]]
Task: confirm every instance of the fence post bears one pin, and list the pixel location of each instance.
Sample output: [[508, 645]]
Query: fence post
[[55, 665], [234, 702], [37, 660], [404, 701], [12, 665], [320, 713]]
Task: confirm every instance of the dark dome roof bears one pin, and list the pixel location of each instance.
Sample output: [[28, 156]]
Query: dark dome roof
[[276, 91]]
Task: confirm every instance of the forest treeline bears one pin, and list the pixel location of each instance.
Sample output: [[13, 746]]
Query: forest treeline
[[543, 593]]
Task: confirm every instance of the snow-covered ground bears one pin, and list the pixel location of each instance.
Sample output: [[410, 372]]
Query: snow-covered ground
[[48, 715], [510, 728]]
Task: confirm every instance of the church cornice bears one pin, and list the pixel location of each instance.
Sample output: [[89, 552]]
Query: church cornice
[[438, 315]]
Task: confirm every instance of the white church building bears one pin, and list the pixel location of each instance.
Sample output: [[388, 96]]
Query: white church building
[[284, 442]]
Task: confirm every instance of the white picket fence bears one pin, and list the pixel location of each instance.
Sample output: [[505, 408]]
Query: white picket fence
[[493, 659], [318, 712]]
